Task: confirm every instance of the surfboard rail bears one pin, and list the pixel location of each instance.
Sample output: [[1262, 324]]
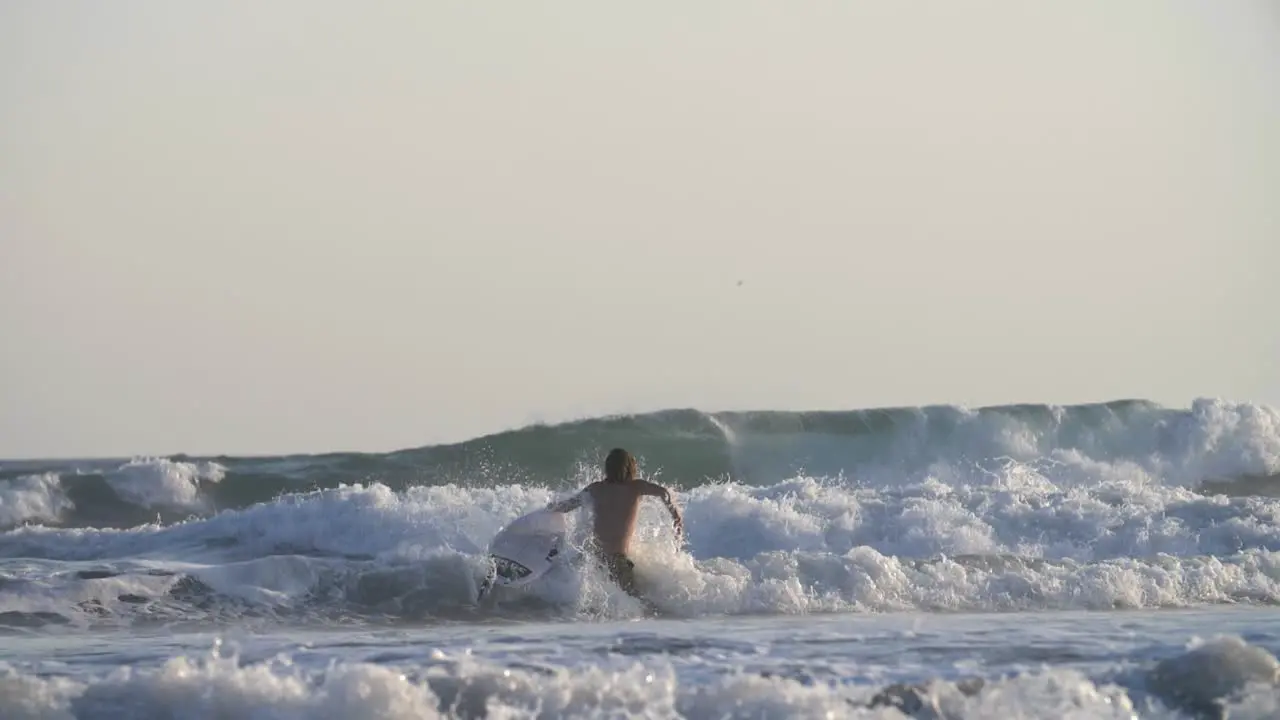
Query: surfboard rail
[[524, 550]]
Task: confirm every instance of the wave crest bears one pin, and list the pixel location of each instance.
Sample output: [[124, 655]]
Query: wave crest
[[1214, 447]]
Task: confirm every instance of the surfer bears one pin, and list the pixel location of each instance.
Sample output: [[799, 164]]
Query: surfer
[[616, 501]]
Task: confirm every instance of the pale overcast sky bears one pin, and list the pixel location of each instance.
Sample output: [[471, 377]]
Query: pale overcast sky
[[315, 225]]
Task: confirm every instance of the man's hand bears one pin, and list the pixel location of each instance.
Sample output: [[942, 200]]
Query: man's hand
[[663, 494]]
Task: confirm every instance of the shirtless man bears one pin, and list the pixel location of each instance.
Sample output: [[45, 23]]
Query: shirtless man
[[616, 501]]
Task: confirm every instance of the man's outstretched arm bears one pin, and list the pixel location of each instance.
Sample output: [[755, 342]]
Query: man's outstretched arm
[[664, 495]]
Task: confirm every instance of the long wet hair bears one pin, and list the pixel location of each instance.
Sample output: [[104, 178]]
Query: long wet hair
[[620, 466]]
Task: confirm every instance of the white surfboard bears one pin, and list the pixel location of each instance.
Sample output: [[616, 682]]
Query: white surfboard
[[524, 550]]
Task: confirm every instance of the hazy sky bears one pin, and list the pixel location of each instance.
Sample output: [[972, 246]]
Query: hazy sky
[[314, 225]]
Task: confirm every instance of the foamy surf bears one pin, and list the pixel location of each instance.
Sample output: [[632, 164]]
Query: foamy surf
[[643, 675], [800, 546], [1063, 518], [1214, 447]]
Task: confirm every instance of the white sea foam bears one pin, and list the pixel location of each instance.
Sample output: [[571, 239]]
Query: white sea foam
[[163, 483], [1222, 668], [1089, 527], [32, 498], [33, 588], [214, 685], [800, 546], [962, 511], [1213, 439]]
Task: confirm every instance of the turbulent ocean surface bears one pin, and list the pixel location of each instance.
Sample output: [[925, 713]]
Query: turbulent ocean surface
[[1117, 560]]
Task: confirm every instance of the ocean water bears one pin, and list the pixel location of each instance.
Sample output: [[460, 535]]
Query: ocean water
[[1119, 560]]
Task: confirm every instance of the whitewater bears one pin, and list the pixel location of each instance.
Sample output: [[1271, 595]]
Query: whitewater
[[1117, 560]]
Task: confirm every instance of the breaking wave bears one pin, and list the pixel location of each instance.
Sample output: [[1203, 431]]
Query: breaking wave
[[1222, 677], [1123, 505], [1215, 446]]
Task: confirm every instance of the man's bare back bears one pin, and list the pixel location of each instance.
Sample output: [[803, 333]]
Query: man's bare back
[[616, 503], [616, 506]]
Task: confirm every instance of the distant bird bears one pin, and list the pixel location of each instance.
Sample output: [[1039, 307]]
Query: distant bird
[[739, 283]]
